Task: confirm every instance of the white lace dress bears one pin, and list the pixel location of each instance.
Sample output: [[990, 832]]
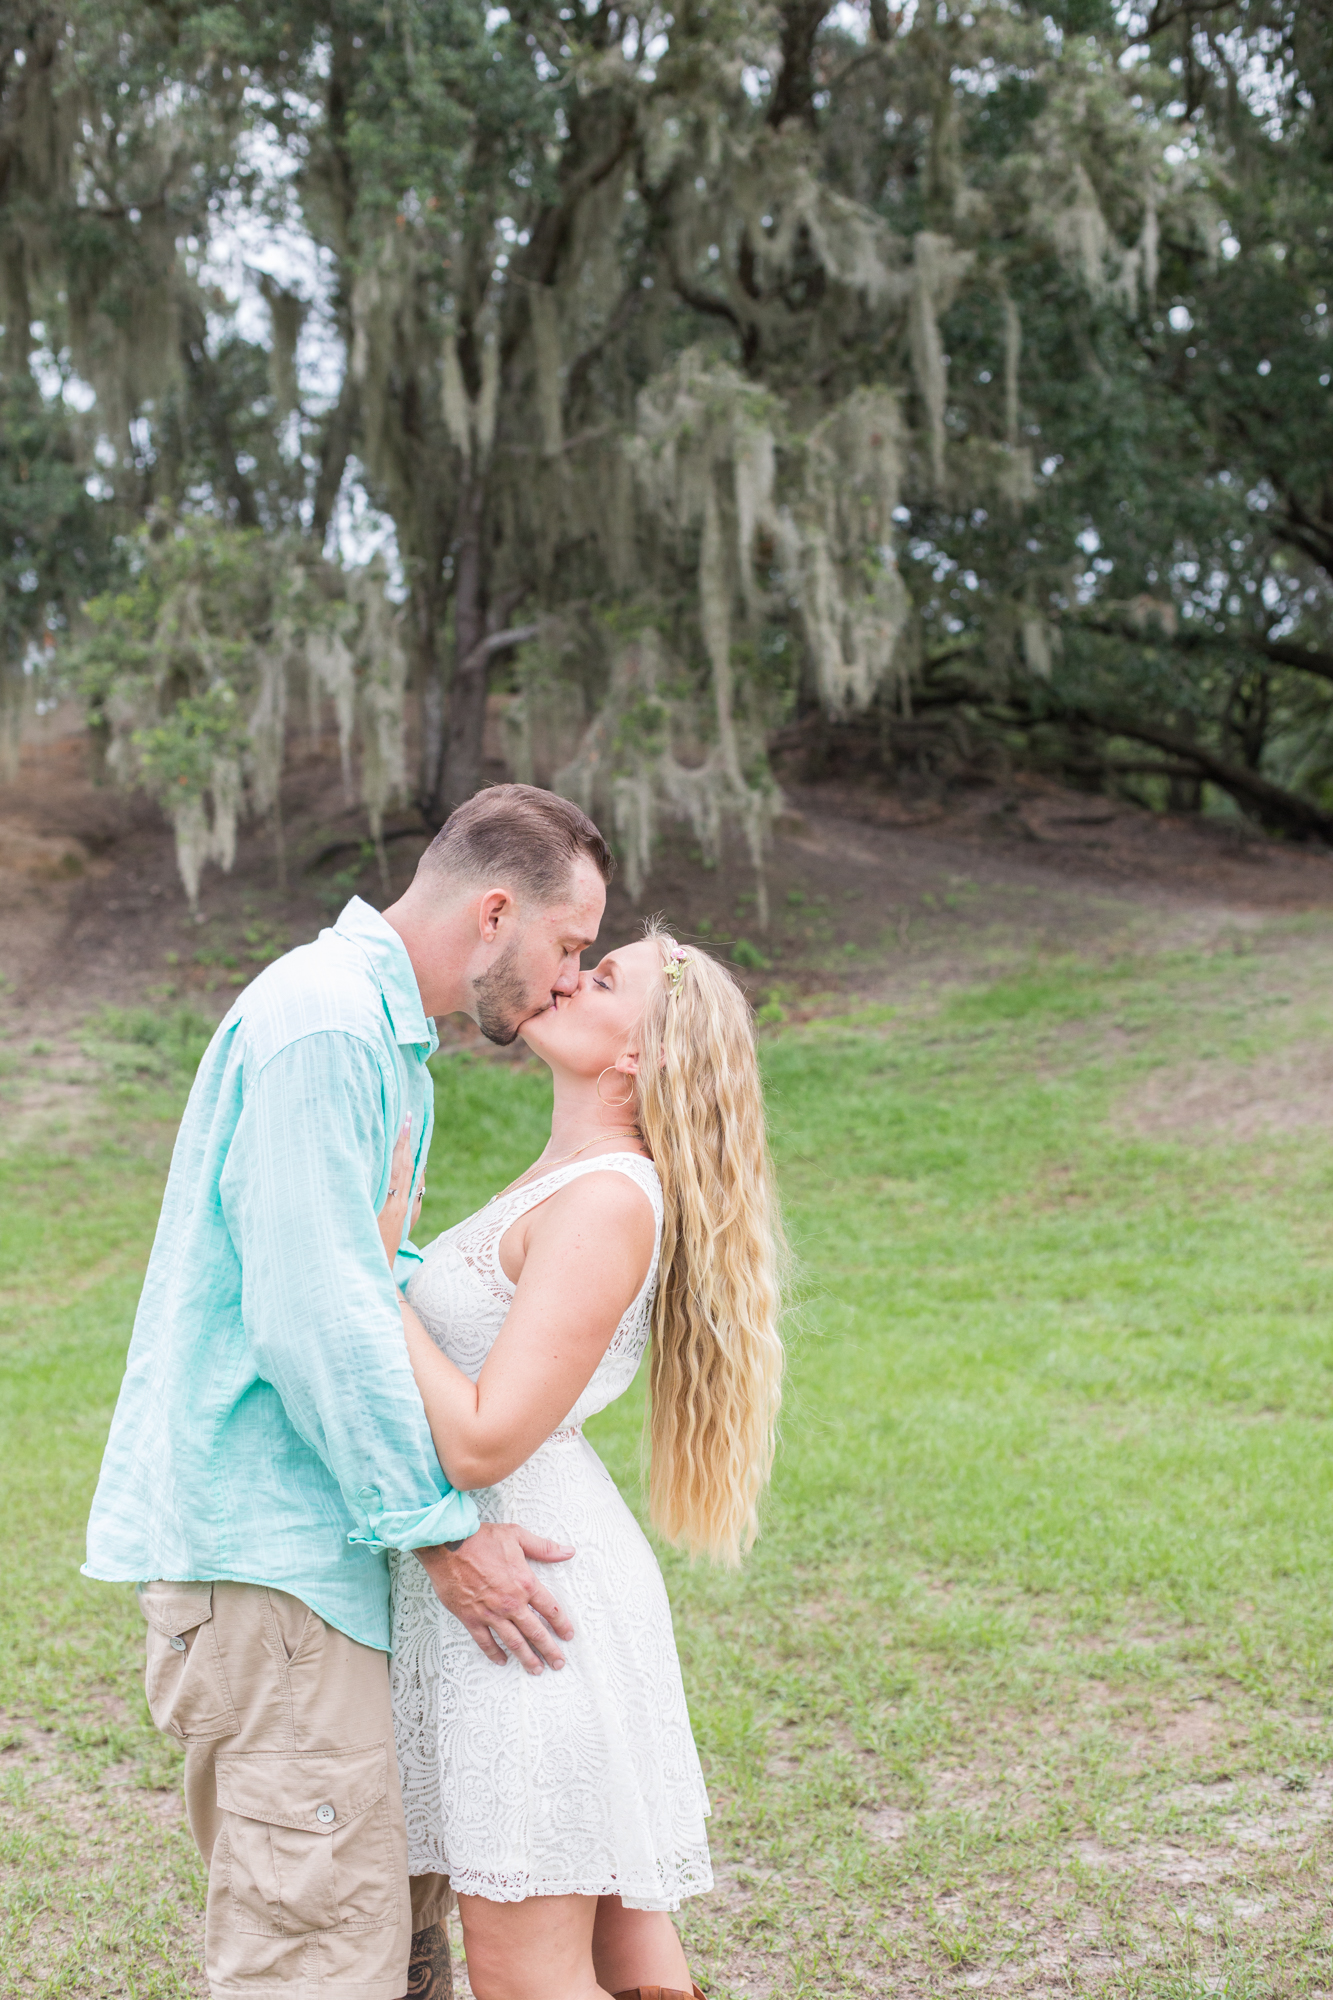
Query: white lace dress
[[583, 1782]]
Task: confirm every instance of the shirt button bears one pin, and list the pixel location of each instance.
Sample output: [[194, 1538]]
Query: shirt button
[[325, 1815], [178, 1645]]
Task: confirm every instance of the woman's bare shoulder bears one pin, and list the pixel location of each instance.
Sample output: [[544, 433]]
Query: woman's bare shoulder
[[615, 1198]]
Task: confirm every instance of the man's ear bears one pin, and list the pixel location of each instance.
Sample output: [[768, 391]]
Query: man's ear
[[494, 907]]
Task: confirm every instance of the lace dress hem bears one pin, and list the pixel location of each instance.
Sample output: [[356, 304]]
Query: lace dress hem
[[693, 1876]]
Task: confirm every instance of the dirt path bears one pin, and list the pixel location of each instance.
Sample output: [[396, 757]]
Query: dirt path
[[865, 891]]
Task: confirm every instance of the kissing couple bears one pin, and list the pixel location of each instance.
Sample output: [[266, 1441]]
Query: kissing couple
[[412, 1638]]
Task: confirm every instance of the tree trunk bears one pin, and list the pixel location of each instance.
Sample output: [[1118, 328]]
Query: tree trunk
[[794, 91], [1184, 793], [466, 721], [13, 705], [18, 332], [428, 675]]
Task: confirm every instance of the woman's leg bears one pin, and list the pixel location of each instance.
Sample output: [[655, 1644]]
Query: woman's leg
[[637, 1948], [540, 1949]]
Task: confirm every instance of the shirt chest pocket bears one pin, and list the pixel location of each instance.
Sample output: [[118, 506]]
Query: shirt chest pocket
[[308, 1840]]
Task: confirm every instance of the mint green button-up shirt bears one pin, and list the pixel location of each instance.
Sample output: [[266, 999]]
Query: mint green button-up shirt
[[268, 1429]]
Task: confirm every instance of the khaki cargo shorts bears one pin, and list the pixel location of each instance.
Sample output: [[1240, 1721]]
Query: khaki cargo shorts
[[291, 1791]]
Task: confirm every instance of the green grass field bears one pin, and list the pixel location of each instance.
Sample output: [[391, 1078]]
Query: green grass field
[[1026, 1687]]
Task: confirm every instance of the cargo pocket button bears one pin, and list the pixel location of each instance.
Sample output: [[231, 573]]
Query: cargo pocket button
[[325, 1815], [178, 1644]]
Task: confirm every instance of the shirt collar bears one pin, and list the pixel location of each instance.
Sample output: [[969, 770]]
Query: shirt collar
[[380, 942]]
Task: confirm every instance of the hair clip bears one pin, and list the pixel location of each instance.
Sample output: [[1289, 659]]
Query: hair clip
[[676, 960]]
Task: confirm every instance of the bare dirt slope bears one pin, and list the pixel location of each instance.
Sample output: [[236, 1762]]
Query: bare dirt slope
[[865, 888]]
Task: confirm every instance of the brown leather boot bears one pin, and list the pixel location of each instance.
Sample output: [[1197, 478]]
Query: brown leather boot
[[659, 1993]]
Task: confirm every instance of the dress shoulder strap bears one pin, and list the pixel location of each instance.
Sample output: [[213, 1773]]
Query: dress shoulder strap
[[485, 1229], [633, 1165]]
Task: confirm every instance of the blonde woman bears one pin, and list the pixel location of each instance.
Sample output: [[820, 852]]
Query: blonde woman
[[568, 1807]]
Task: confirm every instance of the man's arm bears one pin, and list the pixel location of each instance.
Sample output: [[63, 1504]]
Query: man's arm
[[319, 1303], [322, 1317], [486, 1583]]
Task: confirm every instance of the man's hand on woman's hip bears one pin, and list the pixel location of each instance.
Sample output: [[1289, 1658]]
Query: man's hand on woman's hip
[[486, 1583]]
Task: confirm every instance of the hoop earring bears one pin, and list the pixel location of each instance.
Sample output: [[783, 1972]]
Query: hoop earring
[[614, 1103]]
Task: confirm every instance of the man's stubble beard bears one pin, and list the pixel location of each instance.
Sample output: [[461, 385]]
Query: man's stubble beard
[[503, 1003]]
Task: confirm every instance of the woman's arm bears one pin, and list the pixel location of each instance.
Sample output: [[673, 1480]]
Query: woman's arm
[[588, 1252]]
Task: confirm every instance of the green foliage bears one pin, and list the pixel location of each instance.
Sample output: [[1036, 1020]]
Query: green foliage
[[180, 752], [987, 354], [165, 663], [186, 671], [54, 542], [1172, 542]]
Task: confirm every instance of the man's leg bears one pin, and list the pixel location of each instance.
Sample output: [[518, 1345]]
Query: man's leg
[[429, 1974], [291, 1788]]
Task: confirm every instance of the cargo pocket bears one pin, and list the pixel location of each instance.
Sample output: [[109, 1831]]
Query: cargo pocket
[[184, 1680], [307, 1840]]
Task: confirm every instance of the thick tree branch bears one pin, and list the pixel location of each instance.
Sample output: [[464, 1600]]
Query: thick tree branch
[[704, 302], [496, 642], [552, 228], [202, 373], [1271, 804], [1313, 537], [335, 450], [1165, 16], [629, 303], [1129, 767], [1192, 640], [1305, 657]]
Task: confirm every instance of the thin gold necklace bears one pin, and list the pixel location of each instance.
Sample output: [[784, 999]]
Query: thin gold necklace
[[615, 1132]]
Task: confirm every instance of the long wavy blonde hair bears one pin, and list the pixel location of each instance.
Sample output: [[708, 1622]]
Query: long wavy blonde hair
[[716, 1369]]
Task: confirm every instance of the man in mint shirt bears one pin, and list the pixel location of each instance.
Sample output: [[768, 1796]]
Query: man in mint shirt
[[269, 1446]]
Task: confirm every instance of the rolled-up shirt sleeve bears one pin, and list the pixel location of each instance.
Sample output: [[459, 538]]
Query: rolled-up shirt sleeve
[[406, 1265], [319, 1301]]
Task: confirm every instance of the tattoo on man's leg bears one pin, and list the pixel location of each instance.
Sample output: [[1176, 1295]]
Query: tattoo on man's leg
[[429, 1972]]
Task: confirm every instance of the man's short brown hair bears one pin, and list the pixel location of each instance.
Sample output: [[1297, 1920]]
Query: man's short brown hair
[[518, 835]]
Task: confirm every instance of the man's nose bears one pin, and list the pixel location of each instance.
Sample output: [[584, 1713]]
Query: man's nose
[[569, 977]]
